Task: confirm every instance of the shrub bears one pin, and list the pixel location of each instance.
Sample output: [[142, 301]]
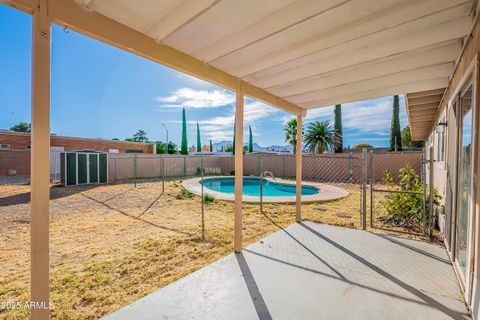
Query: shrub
[[208, 198], [405, 209], [232, 173], [184, 194], [388, 177], [199, 171], [362, 146]]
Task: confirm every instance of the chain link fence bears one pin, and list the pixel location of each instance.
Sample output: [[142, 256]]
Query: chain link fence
[[399, 198]]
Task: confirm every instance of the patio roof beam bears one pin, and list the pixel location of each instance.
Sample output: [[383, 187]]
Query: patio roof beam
[[74, 16], [40, 160]]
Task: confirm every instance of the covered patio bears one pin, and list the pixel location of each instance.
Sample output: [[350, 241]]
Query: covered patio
[[314, 271], [293, 55]]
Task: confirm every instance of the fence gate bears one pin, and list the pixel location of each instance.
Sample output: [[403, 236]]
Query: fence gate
[[399, 194], [341, 177]]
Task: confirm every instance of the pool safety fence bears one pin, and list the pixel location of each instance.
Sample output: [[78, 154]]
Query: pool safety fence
[[347, 173]]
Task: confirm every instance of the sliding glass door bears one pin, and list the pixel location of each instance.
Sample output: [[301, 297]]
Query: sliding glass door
[[464, 181]]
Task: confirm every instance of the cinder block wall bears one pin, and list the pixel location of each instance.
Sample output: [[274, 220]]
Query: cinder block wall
[[18, 157]]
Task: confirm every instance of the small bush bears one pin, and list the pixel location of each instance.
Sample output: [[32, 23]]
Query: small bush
[[184, 194], [388, 177], [208, 198], [232, 173], [405, 209]]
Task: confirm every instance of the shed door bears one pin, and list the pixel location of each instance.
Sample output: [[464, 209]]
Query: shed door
[[93, 168], [82, 168], [103, 167], [71, 168]]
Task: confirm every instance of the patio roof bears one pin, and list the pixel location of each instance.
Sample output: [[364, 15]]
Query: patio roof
[[293, 54]]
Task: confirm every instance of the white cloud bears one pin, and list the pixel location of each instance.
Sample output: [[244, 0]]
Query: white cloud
[[191, 98], [370, 116], [221, 127]]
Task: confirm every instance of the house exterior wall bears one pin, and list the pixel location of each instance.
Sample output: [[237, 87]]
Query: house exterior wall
[[445, 172]]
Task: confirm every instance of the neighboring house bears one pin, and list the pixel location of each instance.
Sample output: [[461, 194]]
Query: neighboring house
[[15, 147]]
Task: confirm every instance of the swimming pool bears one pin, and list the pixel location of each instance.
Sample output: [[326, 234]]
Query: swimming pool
[[251, 187]]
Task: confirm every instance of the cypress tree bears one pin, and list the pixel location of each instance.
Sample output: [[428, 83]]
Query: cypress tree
[[234, 131], [338, 128], [250, 140], [211, 146], [395, 133], [184, 146], [199, 144]]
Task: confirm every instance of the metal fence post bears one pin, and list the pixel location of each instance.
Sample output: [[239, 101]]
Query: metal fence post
[[350, 167], [162, 172], [184, 166], [372, 182], [135, 170], [261, 184], [430, 191], [364, 190], [203, 202], [424, 193]]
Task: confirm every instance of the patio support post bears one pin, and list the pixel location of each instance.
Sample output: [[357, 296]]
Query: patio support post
[[40, 162], [237, 237], [298, 216]]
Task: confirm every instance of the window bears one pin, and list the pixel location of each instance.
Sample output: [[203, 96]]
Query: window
[[134, 151], [5, 146], [441, 140]]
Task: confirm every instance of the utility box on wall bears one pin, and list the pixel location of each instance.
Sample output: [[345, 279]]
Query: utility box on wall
[[84, 167]]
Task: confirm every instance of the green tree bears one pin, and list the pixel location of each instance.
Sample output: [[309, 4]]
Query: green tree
[[199, 143], [161, 147], [320, 137], [22, 127], [395, 135], [362, 146], [184, 146], [407, 139], [140, 136], [234, 133], [250, 140], [172, 148], [115, 139], [337, 125], [211, 146], [290, 132]]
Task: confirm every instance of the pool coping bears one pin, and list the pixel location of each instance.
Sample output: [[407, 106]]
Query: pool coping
[[328, 191]]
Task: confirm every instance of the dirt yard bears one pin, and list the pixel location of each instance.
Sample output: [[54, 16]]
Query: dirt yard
[[113, 244]]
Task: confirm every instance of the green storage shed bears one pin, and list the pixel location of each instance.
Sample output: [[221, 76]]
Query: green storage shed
[[83, 167]]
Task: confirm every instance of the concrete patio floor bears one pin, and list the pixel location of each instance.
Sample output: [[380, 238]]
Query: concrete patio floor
[[314, 271]]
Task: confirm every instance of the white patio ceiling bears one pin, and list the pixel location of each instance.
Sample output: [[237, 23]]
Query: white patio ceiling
[[311, 53]]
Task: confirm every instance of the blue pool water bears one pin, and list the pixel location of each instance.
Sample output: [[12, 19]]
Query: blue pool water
[[251, 187]]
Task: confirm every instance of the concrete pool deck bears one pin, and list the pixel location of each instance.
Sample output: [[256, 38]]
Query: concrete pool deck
[[327, 192], [314, 271]]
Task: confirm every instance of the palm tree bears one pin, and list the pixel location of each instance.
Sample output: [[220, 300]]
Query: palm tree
[[320, 137], [290, 131]]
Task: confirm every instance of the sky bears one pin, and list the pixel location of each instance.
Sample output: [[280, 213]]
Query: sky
[[98, 91]]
